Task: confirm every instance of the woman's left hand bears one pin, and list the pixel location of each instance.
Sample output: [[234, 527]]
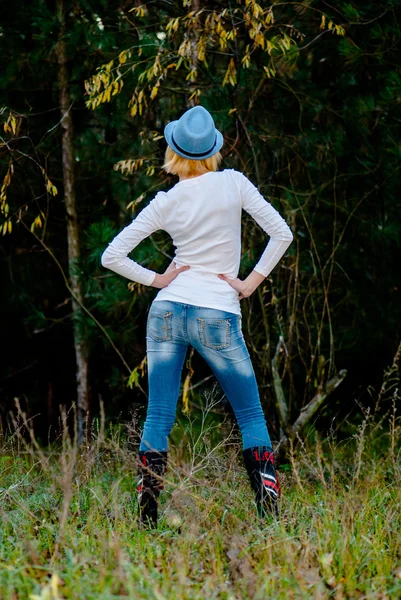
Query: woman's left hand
[[171, 267], [162, 281]]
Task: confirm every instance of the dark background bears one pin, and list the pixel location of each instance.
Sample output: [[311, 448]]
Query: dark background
[[320, 139]]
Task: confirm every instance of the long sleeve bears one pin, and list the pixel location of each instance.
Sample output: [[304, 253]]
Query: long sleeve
[[270, 221], [115, 257]]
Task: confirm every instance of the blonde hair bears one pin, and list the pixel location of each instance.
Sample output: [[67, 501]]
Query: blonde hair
[[185, 167]]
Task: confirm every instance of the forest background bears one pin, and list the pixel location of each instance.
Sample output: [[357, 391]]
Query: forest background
[[308, 97]]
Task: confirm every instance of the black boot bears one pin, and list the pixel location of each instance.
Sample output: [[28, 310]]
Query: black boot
[[259, 463], [151, 469]]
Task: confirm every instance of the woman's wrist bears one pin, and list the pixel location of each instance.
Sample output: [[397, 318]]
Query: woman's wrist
[[253, 281], [157, 282]]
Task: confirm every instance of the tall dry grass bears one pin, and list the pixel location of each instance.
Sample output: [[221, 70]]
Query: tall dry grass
[[68, 518]]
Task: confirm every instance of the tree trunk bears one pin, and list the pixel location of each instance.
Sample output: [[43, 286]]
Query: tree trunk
[[80, 345]]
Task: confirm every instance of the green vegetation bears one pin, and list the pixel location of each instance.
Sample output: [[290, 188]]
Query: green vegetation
[[308, 98], [69, 520]]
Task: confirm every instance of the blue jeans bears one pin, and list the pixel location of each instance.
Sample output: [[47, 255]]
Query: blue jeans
[[217, 336]]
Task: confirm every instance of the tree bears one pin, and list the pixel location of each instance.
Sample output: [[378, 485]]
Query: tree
[[308, 99], [67, 143]]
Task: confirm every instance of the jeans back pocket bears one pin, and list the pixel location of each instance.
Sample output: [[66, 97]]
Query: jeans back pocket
[[159, 325], [214, 333]]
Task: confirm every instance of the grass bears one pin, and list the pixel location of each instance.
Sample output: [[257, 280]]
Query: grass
[[68, 521]]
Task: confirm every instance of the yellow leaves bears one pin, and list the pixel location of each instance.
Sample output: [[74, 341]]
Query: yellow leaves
[[270, 72], [127, 167], [270, 47], [131, 205], [130, 166], [246, 61], [222, 37], [104, 78], [155, 70], [285, 43], [192, 75], [139, 369], [117, 87], [140, 11], [260, 40], [214, 27], [107, 93], [184, 49], [201, 32], [6, 227], [12, 124], [104, 84], [154, 91], [269, 20], [133, 379], [257, 10], [137, 102], [6, 183], [179, 63], [186, 388], [173, 25], [330, 25], [37, 222], [339, 30], [231, 111], [254, 8], [114, 88], [231, 74], [51, 188], [201, 50], [195, 94]]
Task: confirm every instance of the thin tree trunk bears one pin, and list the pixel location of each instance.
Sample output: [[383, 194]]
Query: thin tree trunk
[[81, 348], [194, 37]]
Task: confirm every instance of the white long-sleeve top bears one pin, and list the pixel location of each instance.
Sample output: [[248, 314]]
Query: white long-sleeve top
[[203, 217]]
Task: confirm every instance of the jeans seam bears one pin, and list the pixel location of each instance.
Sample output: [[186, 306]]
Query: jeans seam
[[184, 322]]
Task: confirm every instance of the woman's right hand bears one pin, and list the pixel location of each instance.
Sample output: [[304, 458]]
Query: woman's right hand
[[246, 287], [162, 281]]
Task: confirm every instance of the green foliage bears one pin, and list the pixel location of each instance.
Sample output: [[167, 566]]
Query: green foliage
[[339, 533], [308, 99]]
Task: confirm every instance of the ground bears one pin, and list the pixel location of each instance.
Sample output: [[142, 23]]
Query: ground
[[69, 526]]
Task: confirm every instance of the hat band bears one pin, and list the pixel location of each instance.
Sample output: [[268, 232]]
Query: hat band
[[194, 154]]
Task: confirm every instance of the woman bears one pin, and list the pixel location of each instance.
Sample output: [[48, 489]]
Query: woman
[[199, 299]]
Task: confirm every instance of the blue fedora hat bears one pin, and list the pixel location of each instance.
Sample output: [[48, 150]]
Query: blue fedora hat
[[194, 135]]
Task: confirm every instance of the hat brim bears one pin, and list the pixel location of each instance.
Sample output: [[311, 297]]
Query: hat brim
[[168, 134]]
